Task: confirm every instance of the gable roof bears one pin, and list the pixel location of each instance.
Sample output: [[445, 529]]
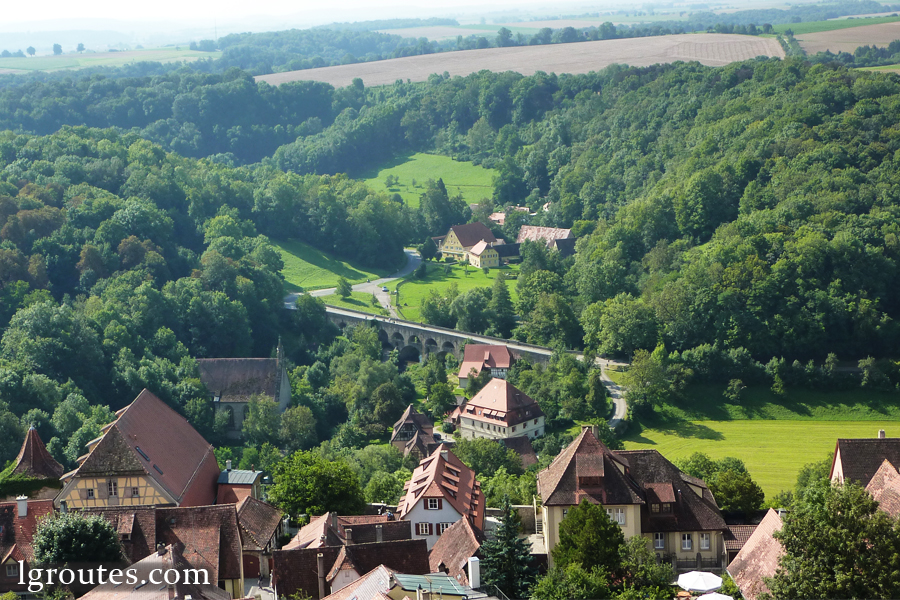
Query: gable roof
[[545, 234], [443, 475], [472, 233], [885, 488], [452, 551], [237, 379], [501, 401], [481, 356], [860, 458], [258, 521], [210, 534], [34, 460], [297, 570], [374, 585], [18, 532], [413, 417], [521, 445], [565, 247], [737, 536], [150, 438], [330, 529], [758, 558]]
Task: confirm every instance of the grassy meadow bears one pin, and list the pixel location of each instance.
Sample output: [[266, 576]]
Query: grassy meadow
[[360, 301], [774, 437], [103, 59], [834, 25], [474, 182], [307, 268], [413, 291]]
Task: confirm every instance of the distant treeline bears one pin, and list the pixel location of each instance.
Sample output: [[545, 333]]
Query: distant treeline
[[377, 24]]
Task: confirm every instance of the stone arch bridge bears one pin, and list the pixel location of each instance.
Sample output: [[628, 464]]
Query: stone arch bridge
[[416, 340]]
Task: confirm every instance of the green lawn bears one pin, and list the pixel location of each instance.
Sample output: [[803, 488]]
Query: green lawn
[[774, 437], [104, 59], [474, 182], [307, 268], [817, 26], [413, 291], [357, 301]]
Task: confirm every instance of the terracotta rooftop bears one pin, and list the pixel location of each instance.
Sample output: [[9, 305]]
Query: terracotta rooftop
[[472, 233], [258, 521], [758, 559], [451, 552], [149, 438], [737, 536], [443, 475], [34, 460], [331, 530], [484, 356], [858, 459], [168, 559], [237, 379], [18, 532], [500, 402], [885, 488], [374, 585], [545, 234]]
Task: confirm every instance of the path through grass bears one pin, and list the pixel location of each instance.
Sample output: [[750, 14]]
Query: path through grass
[[474, 182], [311, 269]]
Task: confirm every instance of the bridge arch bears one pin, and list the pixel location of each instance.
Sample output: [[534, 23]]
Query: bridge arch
[[448, 347], [409, 354], [431, 346], [397, 339]]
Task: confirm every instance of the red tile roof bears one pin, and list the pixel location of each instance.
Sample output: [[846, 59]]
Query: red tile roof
[[758, 559], [737, 536], [148, 437], [885, 488], [237, 379], [374, 585], [501, 403], [18, 532], [472, 233], [860, 458], [451, 552], [259, 522], [34, 460], [331, 530], [442, 474], [545, 234], [481, 356]]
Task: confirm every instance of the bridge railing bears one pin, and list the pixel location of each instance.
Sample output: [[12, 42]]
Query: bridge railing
[[455, 332]]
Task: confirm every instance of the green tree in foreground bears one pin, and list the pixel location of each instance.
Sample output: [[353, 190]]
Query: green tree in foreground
[[74, 536], [344, 289], [572, 583], [486, 456], [589, 538], [384, 487], [506, 558], [304, 482], [838, 545]]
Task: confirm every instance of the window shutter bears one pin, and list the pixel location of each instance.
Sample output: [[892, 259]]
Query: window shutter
[[440, 503], [431, 529], [102, 489], [82, 493]]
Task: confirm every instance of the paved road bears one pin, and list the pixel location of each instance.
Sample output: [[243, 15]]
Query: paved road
[[616, 392], [371, 287]]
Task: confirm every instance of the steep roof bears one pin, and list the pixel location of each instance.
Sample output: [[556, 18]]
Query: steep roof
[[315, 534], [412, 417], [237, 379], [374, 585], [210, 534], [258, 521], [758, 558], [150, 438], [331, 530], [860, 458], [545, 234], [18, 532], [453, 549], [500, 402], [885, 488], [167, 559], [297, 570], [480, 356], [34, 460], [737, 536], [521, 445], [443, 475], [472, 233]]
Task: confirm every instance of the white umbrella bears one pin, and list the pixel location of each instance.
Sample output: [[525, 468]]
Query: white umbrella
[[715, 596], [699, 581]]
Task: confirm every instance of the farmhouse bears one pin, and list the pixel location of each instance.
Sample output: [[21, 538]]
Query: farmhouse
[[500, 410], [478, 357], [414, 434], [442, 491], [149, 455], [232, 382], [462, 238], [643, 492]]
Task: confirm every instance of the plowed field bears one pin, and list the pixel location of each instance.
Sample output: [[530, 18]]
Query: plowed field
[[848, 40], [708, 48]]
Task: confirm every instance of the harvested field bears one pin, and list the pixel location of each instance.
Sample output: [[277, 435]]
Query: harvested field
[[707, 48], [848, 40]]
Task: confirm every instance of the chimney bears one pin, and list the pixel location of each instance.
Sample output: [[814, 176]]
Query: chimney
[[334, 521], [474, 572], [881, 434], [379, 533], [348, 534], [228, 465], [22, 504], [320, 566]]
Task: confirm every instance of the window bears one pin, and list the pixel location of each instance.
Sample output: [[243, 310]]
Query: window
[[654, 508], [434, 504], [535, 421], [617, 515], [135, 492], [113, 488], [90, 493], [442, 527], [423, 528], [667, 507], [687, 541], [659, 541], [704, 541], [514, 429], [12, 570]]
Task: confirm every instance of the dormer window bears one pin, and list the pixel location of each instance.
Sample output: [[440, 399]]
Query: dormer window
[[667, 507], [654, 508]]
